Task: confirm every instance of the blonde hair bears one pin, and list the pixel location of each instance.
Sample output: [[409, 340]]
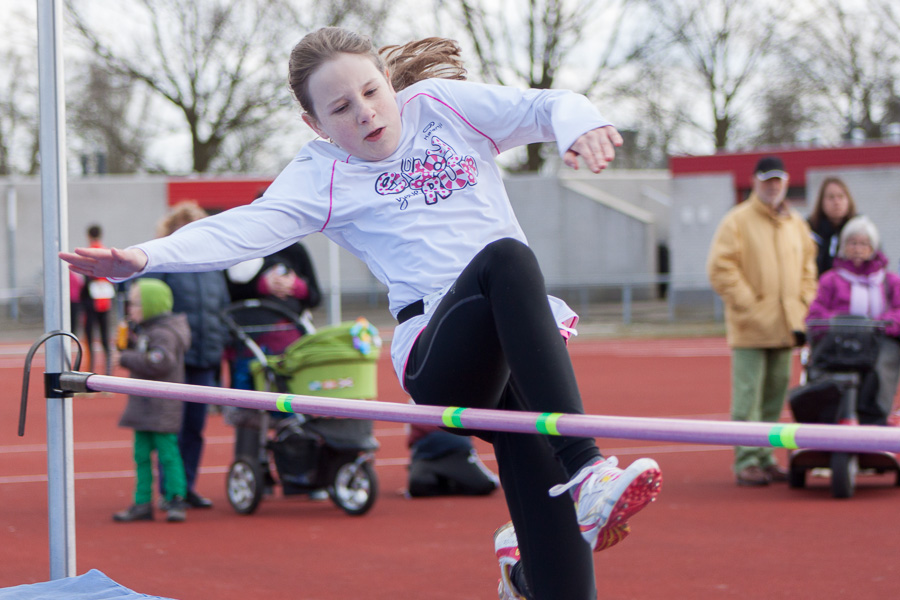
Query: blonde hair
[[423, 59], [407, 63], [186, 211]]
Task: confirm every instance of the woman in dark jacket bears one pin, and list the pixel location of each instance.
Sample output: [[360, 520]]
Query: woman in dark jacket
[[834, 207], [202, 297]]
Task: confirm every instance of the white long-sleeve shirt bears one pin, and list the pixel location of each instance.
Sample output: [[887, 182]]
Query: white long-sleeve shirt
[[416, 218]]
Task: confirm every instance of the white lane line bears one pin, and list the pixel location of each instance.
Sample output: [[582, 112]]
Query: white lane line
[[379, 462], [118, 444]]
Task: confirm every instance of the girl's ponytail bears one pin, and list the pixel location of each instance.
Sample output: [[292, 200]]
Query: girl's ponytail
[[423, 59]]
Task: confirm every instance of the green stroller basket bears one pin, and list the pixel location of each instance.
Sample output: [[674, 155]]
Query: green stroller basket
[[340, 361]]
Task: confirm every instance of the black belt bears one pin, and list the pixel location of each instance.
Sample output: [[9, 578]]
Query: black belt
[[411, 310]]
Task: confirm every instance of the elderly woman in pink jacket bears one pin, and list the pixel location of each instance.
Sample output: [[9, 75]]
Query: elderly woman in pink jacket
[[860, 284]]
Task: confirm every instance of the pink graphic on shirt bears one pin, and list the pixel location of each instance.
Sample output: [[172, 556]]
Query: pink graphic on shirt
[[441, 172]]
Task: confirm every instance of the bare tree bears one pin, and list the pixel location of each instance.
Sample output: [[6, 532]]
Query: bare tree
[[110, 117], [530, 42], [220, 64], [18, 97], [787, 117], [369, 16], [661, 114], [848, 53], [715, 47]]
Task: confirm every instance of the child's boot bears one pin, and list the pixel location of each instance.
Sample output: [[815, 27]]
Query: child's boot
[[176, 510], [135, 512]]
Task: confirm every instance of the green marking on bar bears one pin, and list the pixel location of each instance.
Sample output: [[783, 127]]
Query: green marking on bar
[[283, 403], [782, 436], [452, 417], [546, 423]]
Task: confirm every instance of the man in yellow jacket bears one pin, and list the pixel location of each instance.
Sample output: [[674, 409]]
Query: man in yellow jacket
[[762, 263]]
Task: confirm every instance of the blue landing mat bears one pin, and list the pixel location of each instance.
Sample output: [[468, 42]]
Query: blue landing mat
[[93, 585]]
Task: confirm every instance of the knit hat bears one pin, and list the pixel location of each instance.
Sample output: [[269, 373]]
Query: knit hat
[[156, 297]]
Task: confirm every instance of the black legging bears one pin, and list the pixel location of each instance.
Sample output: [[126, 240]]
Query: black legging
[[493, 343], [101, 319]]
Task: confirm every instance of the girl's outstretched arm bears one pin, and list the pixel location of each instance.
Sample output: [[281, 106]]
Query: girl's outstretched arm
[[597, 148], [106, 262]]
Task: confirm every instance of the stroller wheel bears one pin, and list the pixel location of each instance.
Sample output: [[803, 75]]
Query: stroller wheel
[[355, 487], [244, 485], [844, 467]]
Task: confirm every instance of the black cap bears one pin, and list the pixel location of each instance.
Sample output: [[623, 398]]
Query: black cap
[[769, 167]]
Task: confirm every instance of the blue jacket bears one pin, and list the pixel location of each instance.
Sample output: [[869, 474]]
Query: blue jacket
[[201, 296]]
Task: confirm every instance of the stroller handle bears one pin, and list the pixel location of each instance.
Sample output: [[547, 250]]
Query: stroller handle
[[302, 322], [295, 318], [848, 322]]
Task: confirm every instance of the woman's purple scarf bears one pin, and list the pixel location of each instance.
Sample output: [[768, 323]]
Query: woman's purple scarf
[[866, 291]]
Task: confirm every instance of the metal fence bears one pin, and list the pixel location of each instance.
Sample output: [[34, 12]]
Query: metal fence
[[641, 298]]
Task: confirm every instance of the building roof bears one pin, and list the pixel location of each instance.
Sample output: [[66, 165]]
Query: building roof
[[797, 161]]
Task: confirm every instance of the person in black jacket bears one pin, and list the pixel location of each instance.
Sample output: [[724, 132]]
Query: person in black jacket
[[834, 207], [202, 297], [286, 278]]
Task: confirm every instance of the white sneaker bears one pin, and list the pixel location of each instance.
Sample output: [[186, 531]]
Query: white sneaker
[[506, 546], [607, 496]]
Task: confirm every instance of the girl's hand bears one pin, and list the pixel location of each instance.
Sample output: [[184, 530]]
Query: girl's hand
[[597, 148], [105, 262]]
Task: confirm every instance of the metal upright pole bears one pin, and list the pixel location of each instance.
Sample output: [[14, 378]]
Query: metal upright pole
[[334, 284], [11, 225], [60, 471]]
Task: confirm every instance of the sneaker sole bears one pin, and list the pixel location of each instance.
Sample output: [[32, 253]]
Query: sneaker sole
[[611, 535], [640, 484], [505, 589]]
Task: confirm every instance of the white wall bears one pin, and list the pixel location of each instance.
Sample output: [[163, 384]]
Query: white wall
[[698, 204], [126, 208], [579, 239]]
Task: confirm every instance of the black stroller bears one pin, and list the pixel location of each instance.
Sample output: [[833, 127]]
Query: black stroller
[[841, 385], [311, 454]]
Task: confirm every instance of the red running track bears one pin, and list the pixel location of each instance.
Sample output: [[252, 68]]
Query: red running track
[[704, 539]]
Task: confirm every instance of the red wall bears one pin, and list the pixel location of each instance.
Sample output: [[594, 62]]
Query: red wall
[[796, 162], [216, 194]]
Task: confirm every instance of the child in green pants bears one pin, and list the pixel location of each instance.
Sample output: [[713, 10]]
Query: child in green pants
[[156, 346]]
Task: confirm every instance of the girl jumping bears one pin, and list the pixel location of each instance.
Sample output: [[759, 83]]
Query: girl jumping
[[405, 178]]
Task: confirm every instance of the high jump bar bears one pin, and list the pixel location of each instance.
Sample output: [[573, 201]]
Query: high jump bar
[[841, 438]]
